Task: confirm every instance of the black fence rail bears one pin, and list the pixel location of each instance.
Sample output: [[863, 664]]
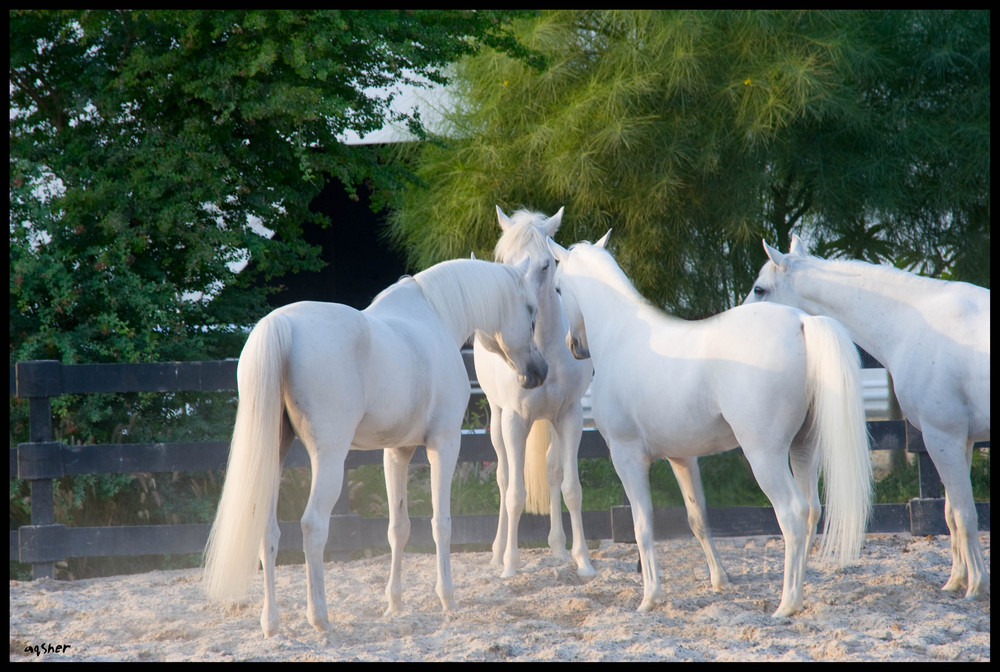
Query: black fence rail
[[42, 459]]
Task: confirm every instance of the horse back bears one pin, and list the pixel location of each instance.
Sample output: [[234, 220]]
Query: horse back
[[686, 385]]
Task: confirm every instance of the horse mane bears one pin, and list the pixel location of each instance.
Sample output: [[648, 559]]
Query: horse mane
[[470, 295], [611, 273], [877, 273], [523, 234]]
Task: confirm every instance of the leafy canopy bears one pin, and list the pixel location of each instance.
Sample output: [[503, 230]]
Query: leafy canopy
[[152, 151], [693, 134]]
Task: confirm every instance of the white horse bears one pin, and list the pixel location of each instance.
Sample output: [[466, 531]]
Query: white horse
[[536, 433], [781, 384], [388, 377], [933, 337]]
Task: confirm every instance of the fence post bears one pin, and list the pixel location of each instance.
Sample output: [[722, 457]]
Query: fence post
[[40, 461], [930, 481]]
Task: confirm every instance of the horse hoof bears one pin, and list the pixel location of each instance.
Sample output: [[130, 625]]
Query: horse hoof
[[322, 626], [785, 612], [954, 584], [646, 606], [719, 584], [269, 625], [981, 592], [561, 554], [586, 572]]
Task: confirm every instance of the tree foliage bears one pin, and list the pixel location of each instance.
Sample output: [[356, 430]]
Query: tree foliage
[[145, 144], [693, 134]]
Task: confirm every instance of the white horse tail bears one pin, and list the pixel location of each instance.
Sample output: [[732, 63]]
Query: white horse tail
[[253, 472], [536, 483], [839, 429]]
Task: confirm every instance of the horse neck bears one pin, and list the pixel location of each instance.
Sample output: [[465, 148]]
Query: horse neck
[[526, 240], [612, 303], [550, 323], [468, 295], [871, 301]]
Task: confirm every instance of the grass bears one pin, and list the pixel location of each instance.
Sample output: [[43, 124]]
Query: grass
[[726, 478], [175, 498]]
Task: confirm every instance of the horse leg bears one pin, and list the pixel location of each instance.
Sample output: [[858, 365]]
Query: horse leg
[[269, 545], [689, 479], [632, 465], [327, 481], [554, 476], [496, 438], [805, 460], [953, 461], [396, 462], [442, 453], [515, 434], [774, 477], [568, 433]]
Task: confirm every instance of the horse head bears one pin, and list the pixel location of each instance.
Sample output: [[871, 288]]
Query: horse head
[[772, 282], [576, 337], [524, 239], [514, 341]]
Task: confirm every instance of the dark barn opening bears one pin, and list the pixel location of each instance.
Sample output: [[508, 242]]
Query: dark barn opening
[[360, 264]]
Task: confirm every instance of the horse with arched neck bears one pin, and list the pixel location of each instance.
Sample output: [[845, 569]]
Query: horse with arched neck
[[390, 377], [780, 384]]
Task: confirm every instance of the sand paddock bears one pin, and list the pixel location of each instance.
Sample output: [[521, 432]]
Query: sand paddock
[[887, 608]]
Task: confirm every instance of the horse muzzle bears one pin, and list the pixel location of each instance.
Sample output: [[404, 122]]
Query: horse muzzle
[[534, 376], [578, 349]]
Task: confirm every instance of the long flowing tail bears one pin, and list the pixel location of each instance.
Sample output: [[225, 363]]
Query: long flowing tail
[[253, 472], [839, 429], [536, 484]]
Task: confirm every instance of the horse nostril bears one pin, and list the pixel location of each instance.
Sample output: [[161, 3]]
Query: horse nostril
[[534, 376], [541, 372]]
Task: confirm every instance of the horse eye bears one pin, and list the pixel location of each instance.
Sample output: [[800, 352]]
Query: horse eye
[[758, 291], [558, 291]]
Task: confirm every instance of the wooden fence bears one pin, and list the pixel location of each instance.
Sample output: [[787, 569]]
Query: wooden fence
[[41, 459]]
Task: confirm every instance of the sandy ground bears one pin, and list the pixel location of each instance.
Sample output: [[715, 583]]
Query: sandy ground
[[888, 608]]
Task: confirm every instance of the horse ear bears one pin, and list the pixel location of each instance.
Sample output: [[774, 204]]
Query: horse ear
[[551, 225], [797, 246], [503, 219], [774, 255], [557, 250], [603, 242], [472, 255]]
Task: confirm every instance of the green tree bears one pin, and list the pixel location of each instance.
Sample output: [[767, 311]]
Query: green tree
[[144, 147], [144, 144], [695, 133]]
